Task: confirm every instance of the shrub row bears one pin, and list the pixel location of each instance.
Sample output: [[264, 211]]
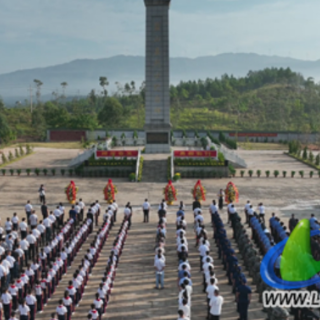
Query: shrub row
[[18, 153], [276, 173]]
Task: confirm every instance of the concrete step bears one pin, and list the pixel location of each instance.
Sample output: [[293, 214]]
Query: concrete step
[[155, 170]]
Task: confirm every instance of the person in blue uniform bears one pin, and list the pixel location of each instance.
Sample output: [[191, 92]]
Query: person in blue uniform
[[243, 298]]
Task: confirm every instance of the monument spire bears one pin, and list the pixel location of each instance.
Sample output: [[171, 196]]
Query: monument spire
[[157, 101]]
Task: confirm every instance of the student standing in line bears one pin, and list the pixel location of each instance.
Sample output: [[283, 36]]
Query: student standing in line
[[146, 210], [42, 194], [61, 311], [24, 310]]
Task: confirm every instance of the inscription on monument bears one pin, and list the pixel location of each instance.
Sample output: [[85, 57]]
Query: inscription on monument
[[157, 137]]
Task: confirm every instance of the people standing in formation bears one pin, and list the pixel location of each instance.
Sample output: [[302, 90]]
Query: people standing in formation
[[36, 254], [159, 259], [184, 269], [231, 264]]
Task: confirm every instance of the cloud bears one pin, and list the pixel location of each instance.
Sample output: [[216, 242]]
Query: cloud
[[45, 32]]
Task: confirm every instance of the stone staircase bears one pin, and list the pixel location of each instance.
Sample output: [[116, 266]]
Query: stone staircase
[[155, 170]]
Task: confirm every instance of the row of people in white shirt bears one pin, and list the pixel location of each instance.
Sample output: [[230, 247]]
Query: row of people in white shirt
[[184, 270], [99, 305], [75, 290], [17, 289], [159, 258], [210, 282]]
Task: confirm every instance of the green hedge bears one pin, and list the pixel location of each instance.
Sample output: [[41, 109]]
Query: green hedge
[[190, 162]]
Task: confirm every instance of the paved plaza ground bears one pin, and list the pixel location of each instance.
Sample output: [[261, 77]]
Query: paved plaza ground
[[134, 296]]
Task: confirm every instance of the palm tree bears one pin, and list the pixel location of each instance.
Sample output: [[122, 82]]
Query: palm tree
[[38, 84], [104, 83], [64, 86]]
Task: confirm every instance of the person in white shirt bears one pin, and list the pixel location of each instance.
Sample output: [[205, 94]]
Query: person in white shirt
[[61, 310], [23, 228], [115, 209], [15, 222], [28, 208], [33, 220], [24, 310], [82, 206], [8, 226], [262, 212], [32, 241], [182, 316], [58, 214], [159, 266], [250, 214], [48, 223], [246, 209], [146, 210], [203, 249], [6, 299], [211, 288], [213, 209], [42, 230], [216, 303]]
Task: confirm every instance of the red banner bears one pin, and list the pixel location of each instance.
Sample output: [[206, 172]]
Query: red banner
[[195, 154], [252, 134], [117, 154]]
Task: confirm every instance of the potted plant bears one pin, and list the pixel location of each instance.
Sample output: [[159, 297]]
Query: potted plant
[[62, 172], [53, 171], [292, 174], [45, 171], [70, 172], [276, 173], [176, 177], [311, 174], [18, 172], [11, 171], [3, 172], [267, 173], [258, 173], [28, 171], [242, 173], [132, 177], [37, 171], [250, 173], [284, 173], [301, 173]]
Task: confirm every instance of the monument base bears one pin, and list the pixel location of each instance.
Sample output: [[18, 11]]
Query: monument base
[[158, 139]]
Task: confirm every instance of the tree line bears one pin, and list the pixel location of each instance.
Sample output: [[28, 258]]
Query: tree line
[[269, 99]]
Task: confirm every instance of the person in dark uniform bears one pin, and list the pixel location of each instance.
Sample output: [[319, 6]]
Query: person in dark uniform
[[221, 196], [243, 298], [44, 210], [292, 223], [196, 204]]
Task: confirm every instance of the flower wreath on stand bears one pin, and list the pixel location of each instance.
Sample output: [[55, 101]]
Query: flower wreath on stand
[[232, 193], [109, 192], [71, 192], [199, 192], [170, 193]]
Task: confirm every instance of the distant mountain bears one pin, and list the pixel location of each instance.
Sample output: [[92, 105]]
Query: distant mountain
[[83, 75]]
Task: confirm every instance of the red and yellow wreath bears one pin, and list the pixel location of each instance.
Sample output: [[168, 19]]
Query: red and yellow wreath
[[71, 192], [170, 193], [109, 191], [231, 193], [199, 192]]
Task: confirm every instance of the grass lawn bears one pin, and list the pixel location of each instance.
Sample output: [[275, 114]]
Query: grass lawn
[[55, 145], [262, 146]]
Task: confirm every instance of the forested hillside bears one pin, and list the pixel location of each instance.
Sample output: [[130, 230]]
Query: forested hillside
[[272, 99]]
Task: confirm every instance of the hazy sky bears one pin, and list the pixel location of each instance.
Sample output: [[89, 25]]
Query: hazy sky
[[38, 33]]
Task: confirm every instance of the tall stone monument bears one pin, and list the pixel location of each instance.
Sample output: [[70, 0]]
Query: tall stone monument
[[157, 123]]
